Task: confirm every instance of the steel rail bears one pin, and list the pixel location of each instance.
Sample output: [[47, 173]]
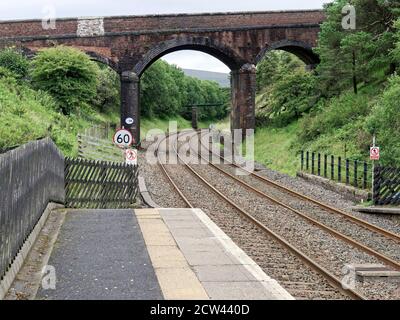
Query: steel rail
[[320, 225], [166, 174], [348, 216], [331, 278]]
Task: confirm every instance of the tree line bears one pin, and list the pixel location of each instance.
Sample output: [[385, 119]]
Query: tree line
[[353, 93], [76, 82]]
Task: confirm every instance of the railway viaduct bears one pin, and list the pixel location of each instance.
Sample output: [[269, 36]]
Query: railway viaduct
[[130, 44]]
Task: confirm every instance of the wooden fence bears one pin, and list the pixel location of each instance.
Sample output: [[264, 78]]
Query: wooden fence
[[92, 148], [386, 186], [351, 172], [100, 185], [31, 176]]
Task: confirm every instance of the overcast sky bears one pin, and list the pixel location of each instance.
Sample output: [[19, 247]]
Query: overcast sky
[[28, 9]]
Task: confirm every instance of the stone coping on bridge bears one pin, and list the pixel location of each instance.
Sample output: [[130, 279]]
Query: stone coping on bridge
[[172, 15]]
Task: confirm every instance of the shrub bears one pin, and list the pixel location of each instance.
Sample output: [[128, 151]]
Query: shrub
[[67, 74], [287, 99], [15, 62], [108, 90], [384, 121], [6, 73], [334, 114]]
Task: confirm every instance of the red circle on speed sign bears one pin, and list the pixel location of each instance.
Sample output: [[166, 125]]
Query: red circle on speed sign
[[123, 138]]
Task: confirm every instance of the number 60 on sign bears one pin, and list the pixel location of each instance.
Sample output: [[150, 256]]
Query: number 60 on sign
[[123, 138]]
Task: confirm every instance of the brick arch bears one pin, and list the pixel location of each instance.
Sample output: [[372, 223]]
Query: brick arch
[[301, 49], [102, 59], [94, 56], [203, 44]]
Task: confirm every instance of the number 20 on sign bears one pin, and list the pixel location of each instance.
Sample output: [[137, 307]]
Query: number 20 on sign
[[123, 138]]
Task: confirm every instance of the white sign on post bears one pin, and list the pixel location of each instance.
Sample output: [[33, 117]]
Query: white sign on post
[[123, 138], [131, 156], [375, 153]]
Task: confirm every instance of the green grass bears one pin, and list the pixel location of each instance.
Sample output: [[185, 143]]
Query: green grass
[[27, 114], [273, 148]]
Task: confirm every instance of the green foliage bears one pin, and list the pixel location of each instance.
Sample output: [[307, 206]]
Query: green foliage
[[384, 121], [67, 74], [6, 73], [287, 89], [351, 58], [107, 98], [332, 118], [27, 114], [274, 67], [166, 91], [289, 98], [15, 62], [334, 114], [160, 94], [273, 148]]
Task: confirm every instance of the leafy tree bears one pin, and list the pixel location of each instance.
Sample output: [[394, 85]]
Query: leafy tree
[[384, 121], [67, 74], [166, 91], [108, 90], [15, 62], [351, 57], [274, 66], [288, 98]]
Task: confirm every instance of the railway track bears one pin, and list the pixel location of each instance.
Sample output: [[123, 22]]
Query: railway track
[[372, 242], [301, 275], [360, 222]]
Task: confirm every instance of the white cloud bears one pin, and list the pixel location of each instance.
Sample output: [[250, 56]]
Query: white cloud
[[189, 59]]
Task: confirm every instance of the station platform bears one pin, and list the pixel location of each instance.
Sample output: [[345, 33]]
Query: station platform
[[147, 254], [194, 259]]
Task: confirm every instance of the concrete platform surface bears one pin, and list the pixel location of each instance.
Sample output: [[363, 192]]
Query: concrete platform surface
[[101, 255], [152, 254], [378, 210], [194, 259]]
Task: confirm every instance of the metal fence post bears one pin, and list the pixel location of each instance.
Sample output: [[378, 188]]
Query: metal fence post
[[325, 166], [302, 160], [340, 169], [356, 174], [347, 171], [313, 163], [365, 180], [333, 168], [319, 164], [375, 189], [307, 161]]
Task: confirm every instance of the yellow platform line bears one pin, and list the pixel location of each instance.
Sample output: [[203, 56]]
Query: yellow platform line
[[176, 278]]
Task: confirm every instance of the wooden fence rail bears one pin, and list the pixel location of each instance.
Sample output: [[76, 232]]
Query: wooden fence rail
[[31, 176], [99, 184]]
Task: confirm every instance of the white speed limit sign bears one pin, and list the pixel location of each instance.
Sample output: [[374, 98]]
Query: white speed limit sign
[[123, 138]]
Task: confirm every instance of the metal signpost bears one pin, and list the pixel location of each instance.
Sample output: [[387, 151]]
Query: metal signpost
[[374, 156]]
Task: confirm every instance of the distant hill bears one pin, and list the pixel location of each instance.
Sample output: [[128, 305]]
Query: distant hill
[[222, 78]]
